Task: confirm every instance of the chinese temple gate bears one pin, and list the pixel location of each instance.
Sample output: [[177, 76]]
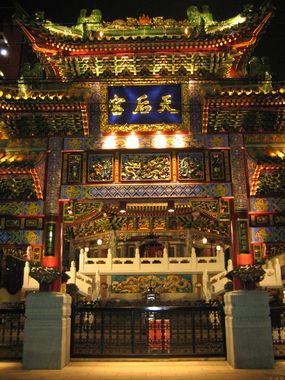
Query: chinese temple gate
[[145, 151]]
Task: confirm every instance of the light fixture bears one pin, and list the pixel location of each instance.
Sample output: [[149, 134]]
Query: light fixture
[[159, 140], [100, 35], [99, 241], [122, 207], [170, 206], [86, 249], [218, 247], [70, 207], [109, 142], [132, 141], [204, 240], [4, 51]]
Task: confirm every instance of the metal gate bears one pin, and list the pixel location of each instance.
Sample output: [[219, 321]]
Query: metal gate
[[12, 320], [277, 314], [196, 331]]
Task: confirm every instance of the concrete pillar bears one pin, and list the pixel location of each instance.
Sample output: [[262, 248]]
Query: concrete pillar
[[248, 329], [47, 331]]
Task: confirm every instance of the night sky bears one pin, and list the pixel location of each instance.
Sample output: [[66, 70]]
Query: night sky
[[272, 43]]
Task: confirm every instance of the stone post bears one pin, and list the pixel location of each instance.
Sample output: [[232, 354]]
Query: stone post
[[47, 331], [248, 329]]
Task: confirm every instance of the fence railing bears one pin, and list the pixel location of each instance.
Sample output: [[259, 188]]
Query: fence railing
[[12, 320], [278, 330], [196, 331], [147, 331]]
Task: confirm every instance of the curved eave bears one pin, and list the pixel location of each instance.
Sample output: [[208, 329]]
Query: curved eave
[[256, 32], [26, 108], [230, 112], [48, 44]]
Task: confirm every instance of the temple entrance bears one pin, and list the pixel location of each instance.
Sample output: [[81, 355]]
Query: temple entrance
[[116, 252]]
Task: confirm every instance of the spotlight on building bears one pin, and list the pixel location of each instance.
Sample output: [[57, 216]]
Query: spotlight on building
[[159, 141], [186, 31], [109, 142], [123, 207], [100, 35], [4, 51], [132, 141], [70, 207], [170, 206], [204, 240], [99, 241]]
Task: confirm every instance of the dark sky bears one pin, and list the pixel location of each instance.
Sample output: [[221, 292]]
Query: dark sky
[[272, 43]]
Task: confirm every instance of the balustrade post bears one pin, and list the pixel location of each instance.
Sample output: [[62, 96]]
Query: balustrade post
[[81, 260], [72, 273], [193, 258], [109, 260], [137, 257], [165, 259], [26, 275]]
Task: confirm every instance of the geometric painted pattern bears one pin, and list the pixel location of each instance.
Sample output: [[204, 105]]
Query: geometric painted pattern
[[21, 237], [267, 204], [153, 191], [268, 234], [22, 208]]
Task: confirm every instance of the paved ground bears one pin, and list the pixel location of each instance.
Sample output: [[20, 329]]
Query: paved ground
[[143, 370]]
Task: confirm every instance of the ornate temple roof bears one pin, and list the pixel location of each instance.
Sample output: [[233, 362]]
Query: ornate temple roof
[[245, 111], [196, 46], [41, 115], [19, 176], [145, 218]]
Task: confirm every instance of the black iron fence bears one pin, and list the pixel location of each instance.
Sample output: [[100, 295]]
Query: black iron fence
[[12, 320], [196, 331], [278, 330]]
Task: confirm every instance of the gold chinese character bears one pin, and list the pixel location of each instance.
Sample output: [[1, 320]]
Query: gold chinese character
[[165, 105], [115, 105], [143, 105]]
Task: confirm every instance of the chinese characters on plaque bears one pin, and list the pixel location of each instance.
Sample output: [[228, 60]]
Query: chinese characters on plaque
[[144, 104]]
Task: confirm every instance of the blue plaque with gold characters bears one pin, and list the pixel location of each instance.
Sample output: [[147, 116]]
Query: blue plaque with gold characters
[[144, 104]]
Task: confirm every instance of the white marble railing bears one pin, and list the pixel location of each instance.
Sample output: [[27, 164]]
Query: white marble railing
[[217, 282], [29, 283], [137, 264], [86, 284], [272, 278]]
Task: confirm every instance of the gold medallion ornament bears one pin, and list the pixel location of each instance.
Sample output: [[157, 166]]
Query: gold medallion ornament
[[31, 237], [262, 234], [261, 204], [221, 190], [72, 192]]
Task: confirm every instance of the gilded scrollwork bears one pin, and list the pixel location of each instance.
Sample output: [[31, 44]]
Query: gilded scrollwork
[[191, 166], [100, 168], [145, 167]]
